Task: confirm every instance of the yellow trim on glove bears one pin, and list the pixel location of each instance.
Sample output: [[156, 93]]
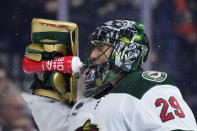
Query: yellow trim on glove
[[61, 48], [58, 82], [73, 87], [51, 94], [44, 25], [33, 56], [36, 47]]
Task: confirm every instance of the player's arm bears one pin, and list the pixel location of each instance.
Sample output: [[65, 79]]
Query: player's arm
[[49, 114], [139, 117]]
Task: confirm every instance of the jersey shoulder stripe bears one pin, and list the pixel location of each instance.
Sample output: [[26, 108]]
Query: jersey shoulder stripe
[[138, 83]]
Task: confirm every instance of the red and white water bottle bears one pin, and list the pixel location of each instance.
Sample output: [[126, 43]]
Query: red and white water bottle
[[66, 64]]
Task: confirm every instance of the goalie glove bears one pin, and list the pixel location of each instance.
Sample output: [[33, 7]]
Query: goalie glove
[[52, 40]]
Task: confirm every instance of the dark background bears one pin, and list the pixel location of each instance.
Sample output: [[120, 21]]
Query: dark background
[[172, 33]]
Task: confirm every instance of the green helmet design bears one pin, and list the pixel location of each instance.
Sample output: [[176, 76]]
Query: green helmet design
[[130, 43], [130, 50]]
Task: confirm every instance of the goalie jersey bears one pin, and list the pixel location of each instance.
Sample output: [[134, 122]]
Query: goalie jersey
[[160, 94], [140, 101], [114, 112]]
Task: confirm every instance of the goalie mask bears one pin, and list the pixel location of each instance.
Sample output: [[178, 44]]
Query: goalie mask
[[128, 47]]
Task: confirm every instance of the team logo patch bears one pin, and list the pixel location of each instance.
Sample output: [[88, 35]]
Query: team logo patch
[[88, 127], [154, 76], [79, 106]]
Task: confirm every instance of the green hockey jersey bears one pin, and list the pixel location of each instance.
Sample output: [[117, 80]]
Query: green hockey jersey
[[160, 94]]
